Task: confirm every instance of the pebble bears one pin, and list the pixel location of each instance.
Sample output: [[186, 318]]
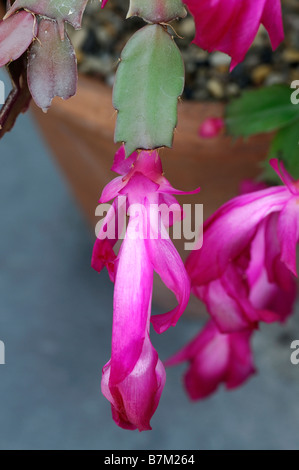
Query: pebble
[[275, 78], [219, 58], [260, 73], [232, 90], [215, 87], [291, 56], [185, 28]]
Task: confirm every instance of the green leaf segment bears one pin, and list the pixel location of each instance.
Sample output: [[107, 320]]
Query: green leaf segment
[[149, 81]]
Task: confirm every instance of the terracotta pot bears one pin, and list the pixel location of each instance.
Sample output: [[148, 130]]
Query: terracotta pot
[[80, 133]]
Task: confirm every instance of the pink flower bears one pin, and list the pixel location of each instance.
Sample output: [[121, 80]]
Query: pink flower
[[248, 258], [134, 377], [230, 26], [215, 358], [211, 127]]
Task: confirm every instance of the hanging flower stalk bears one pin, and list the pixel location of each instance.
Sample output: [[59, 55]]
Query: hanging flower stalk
[[134, 377]]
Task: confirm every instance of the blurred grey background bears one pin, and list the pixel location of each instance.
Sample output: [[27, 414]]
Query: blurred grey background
[[55, 320]]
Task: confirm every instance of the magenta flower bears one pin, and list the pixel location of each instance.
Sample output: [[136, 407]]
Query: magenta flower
[[215, 358], [244, 271], [230, 26], [211, 128], [134, 377]]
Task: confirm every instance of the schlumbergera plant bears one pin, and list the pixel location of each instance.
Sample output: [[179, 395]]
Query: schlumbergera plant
[[244, 272]]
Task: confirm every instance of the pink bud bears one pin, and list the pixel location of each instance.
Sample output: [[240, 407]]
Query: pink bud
[[211, 127]]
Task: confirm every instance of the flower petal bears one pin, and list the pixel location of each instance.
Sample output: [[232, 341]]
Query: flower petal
[[132, 303], [225, 309], [229, 230], [168, 264], [208, 364], [237, 23], [285, 177], [166, 188], [272, 20], [215, 358], [288, 234], [112, 189], [241, 365], [121, 164], [136, 398]]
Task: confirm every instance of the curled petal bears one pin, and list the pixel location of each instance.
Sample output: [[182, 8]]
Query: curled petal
[[275, 293], [288, 234], [285, 177], [167, 263], [132, 303], [272, 20], [272, 253], [229, 230], [166, 188], [112, 189], [241, 365], [121, 164], [272, 297], [236, 285], [225, 309], [135, 399]]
